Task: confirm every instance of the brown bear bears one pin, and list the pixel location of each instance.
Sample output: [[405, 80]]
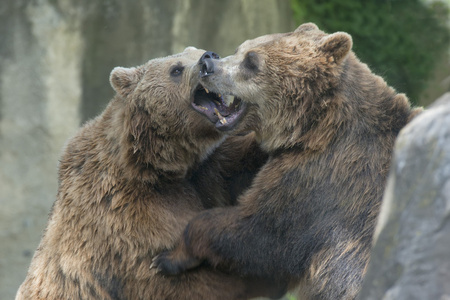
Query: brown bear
[[129, 183], [329, 125]]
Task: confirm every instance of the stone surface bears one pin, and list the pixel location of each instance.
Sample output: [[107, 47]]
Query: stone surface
[[55, 60], [411, 254]]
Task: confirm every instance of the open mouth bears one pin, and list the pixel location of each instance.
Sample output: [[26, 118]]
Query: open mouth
[[224, 111]]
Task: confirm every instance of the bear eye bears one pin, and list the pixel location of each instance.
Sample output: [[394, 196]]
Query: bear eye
[[251, 61], [176, 71]]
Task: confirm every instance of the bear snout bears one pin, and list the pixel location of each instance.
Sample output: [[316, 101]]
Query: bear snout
[[207, 64]]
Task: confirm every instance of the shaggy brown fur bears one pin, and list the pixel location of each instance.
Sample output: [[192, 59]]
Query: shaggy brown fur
[[129, 182], [329, 125]]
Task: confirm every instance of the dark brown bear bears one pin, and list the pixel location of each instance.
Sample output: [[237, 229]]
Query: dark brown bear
[[329, 125], [130, 181]]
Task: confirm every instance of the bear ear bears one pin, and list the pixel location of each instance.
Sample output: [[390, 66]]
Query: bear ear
[[337, 44], [306, 27], [124, 80], [189, 48]]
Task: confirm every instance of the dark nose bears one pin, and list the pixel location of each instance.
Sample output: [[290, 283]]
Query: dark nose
[[207, 64]]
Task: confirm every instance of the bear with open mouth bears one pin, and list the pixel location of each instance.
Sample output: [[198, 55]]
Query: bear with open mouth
[[129, 182]]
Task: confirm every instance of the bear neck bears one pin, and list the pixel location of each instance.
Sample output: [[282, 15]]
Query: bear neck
[[146, 156], [358, 103]]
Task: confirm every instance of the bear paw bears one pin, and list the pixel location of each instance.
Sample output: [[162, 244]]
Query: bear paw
[[165, 264]]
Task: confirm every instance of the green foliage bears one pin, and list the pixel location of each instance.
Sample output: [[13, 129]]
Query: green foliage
[[400, 40]]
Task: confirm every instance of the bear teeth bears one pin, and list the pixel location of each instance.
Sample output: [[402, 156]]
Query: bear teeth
[[206, 90], [222, 119], [228, 100]]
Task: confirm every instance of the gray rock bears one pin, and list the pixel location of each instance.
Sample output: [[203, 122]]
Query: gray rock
[[411, 255], [55, 60]]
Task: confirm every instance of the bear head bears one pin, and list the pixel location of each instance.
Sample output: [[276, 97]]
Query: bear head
[[283, 79], [158, 106]]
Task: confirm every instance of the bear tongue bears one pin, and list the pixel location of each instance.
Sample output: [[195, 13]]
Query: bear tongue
[[215, 105], [205, 104]]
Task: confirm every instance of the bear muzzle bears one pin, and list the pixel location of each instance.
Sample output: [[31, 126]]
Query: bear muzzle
[[206, 63]]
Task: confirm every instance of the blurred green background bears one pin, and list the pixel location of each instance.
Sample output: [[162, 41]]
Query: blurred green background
[[406, 42], [56, 56]]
